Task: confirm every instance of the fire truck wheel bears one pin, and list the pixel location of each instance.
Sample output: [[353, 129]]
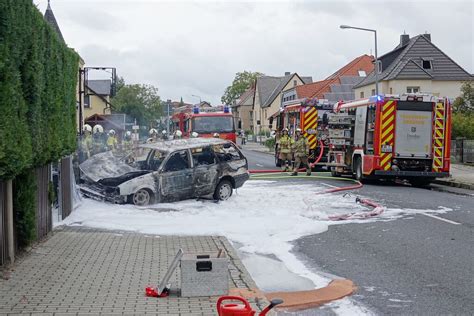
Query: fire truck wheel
[[359, 176], [223, 190]]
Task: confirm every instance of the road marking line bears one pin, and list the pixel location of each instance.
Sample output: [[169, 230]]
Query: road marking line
[[442, 219], [328, 185]]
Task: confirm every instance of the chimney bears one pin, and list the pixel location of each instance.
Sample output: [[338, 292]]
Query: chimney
[[404, 39], [287, 73], [427, 36]]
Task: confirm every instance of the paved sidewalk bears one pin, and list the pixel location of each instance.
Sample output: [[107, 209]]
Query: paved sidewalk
[[462, 176], [257, 147], [82, 271]]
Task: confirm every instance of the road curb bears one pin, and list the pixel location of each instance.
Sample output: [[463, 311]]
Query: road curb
[[455, 184]]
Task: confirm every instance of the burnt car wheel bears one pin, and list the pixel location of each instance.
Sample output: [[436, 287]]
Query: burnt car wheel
[[141, 197], [223, 190]]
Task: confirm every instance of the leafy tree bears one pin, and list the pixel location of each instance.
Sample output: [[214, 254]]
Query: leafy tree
[[242, 81], [140, 101], [465, 103], [119, 84], [463, 113]]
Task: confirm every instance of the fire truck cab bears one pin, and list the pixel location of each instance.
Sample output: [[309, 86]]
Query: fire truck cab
[[206, 122], [310, 115], [391, 136]]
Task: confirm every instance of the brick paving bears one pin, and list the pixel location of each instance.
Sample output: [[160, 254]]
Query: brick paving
[[83, 271]]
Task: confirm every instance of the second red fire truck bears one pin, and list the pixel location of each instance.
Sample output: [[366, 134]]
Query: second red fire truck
[[205, 121]]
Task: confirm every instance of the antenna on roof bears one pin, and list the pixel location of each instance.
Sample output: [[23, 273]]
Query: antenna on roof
[[404, 33]]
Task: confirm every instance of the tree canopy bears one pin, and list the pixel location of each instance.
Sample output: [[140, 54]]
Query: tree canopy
[[242, 82], [140, 101], [463, 112]]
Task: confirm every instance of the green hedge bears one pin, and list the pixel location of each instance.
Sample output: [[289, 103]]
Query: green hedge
[[38, 77], [24, 207]]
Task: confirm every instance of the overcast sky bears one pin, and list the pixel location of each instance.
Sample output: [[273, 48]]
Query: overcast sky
[[190, 48]]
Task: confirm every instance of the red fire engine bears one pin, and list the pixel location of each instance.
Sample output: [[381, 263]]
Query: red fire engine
[[405, 136], [206, 122]]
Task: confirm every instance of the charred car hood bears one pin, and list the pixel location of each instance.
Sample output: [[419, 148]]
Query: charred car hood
[[105, 165]]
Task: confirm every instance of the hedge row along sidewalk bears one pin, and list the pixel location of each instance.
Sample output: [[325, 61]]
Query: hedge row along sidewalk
[[38, 78]]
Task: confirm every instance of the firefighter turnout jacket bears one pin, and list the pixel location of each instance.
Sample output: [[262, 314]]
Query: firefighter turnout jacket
[[286, 143], [301, 147]]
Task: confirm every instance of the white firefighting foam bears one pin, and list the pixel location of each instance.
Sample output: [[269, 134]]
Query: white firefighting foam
[[264, 217]]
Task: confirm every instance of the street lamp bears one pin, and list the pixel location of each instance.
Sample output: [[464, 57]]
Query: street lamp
[[168, 103], [376, 60], [196, 96]]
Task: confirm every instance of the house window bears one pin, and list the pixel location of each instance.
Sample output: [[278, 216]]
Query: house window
[[427, 64], [373, 91], [294, 83], [87, 101], [362, 73], [391, 92], [362, 94], [413, 89]]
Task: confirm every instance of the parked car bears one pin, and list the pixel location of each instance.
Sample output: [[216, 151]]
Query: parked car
[[166, 171]]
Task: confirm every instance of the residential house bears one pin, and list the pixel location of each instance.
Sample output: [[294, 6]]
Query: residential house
[[415, 65], [97, 98], [242, 110], [267, 97]]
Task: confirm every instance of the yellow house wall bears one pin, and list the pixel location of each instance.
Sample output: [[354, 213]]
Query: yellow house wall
[[256, 112], [97, 106], [446, 88]]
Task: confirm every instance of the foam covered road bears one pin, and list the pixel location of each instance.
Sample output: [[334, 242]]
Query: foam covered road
[[413, 264]]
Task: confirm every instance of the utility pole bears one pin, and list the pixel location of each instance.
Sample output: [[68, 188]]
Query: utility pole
[[168, 103]]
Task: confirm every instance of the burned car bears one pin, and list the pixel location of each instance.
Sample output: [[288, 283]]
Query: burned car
[[166, 171]]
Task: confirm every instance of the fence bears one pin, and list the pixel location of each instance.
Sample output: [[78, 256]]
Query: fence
[[462, 151]]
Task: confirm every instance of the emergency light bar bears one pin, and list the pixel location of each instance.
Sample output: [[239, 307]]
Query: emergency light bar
[[220, 108]]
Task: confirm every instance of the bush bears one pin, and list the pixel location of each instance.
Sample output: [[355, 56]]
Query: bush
[[463, 125], [270, 143]]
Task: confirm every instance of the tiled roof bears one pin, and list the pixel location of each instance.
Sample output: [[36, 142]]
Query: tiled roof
[[101, 87], [318, 89], [405, 62], [270, 87], [49, 17], [245, 96]]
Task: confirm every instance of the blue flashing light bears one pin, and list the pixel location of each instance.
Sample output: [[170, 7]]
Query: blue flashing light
[[376, 98], [226, 109], [196, 110]]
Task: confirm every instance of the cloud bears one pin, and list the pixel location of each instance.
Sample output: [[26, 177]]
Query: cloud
[[196, 47]]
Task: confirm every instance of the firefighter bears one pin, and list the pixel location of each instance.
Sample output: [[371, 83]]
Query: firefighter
[[98, 140], [127, 142], [285, 144], [301, 150], [111, 140], [178, 134], [153, 136], [86, 143], [164, 135]]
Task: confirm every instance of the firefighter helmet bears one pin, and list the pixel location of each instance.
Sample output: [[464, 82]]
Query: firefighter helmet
[[98, 129], [87, 128], [163, 132], [285, 130], [298, 130], [194, 134], [112, 132], [128, 133], [178, 133], [152, 131]]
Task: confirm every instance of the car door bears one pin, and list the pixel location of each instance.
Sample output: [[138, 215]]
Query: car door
[[205, 170], [176, 177]]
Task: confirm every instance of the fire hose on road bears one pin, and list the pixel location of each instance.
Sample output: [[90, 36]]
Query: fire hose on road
[[377, 208]]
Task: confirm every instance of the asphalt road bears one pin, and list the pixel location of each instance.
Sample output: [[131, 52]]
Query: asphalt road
[[415, 265]]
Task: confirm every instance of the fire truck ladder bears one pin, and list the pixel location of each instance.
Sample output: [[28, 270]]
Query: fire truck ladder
[[438, 136]]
